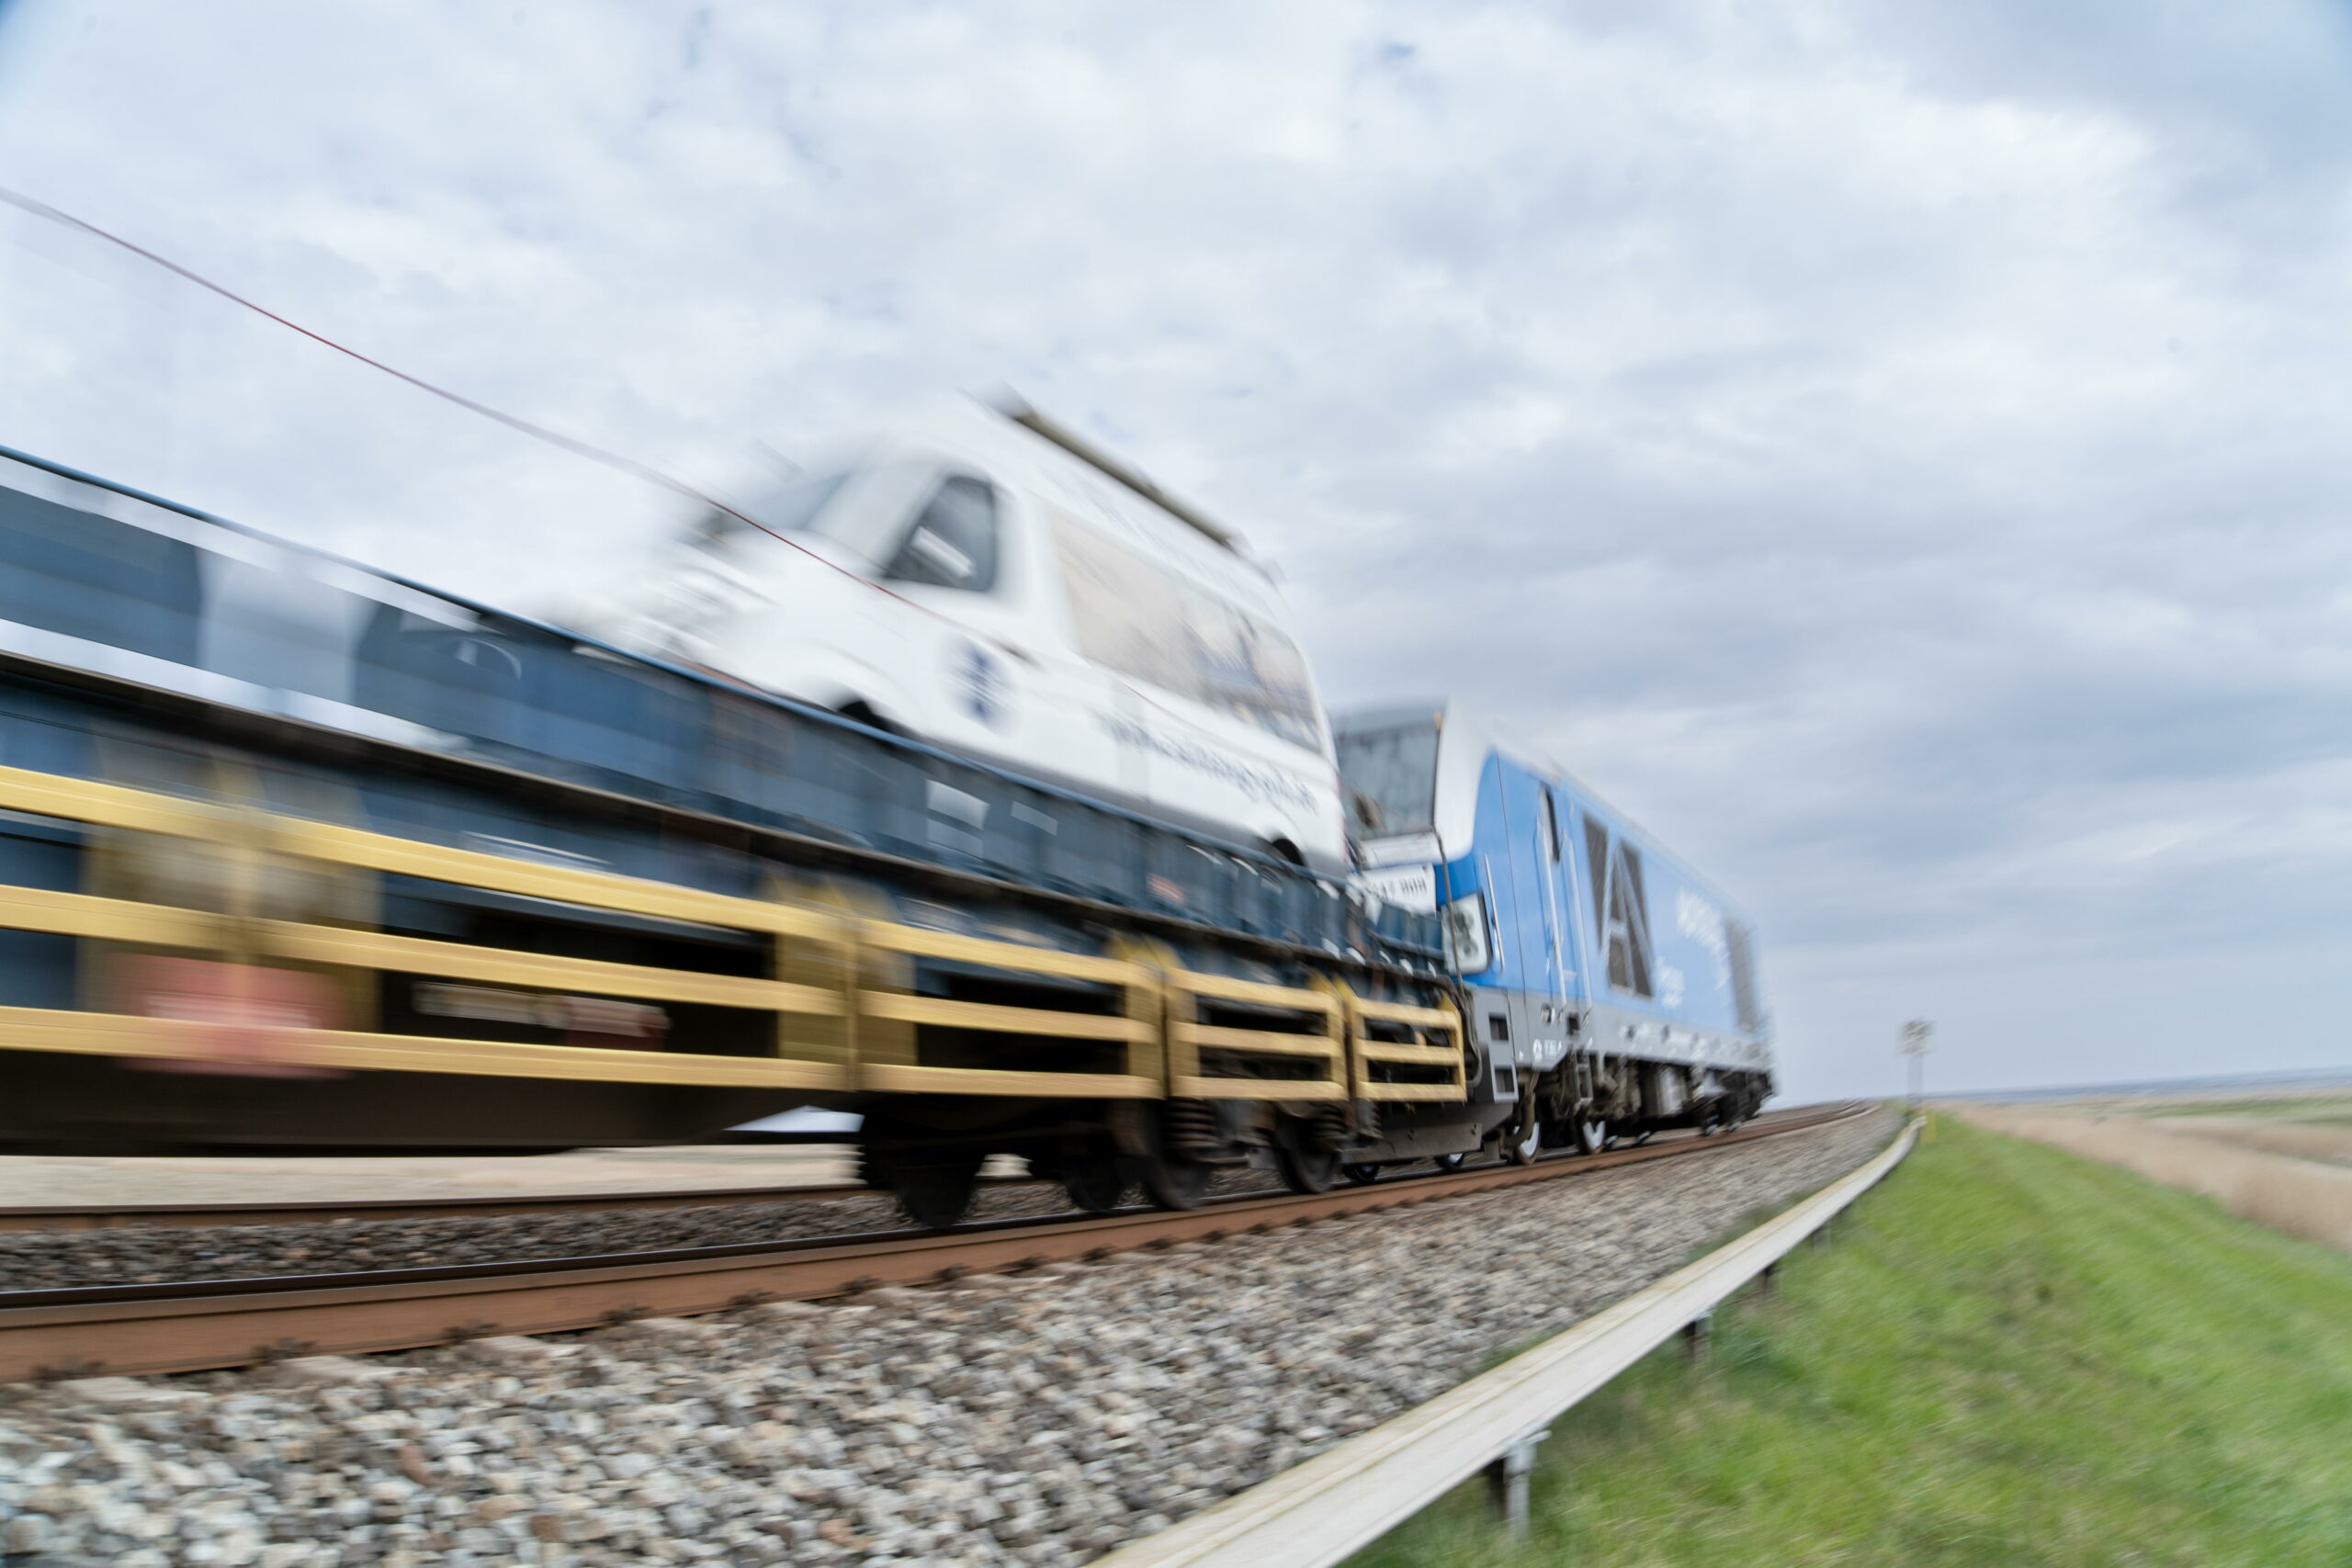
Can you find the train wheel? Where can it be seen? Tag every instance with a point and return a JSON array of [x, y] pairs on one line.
[[937, 1194], [1448, 1164], [1305, 1149], [1174, 1182], [1524, 1140], [1592, 1134], [932, 1181], [1308, 1170], [1361, 1175], [1171, 1177], [1095, 1185]]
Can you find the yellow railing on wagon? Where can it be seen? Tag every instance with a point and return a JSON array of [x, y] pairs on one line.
[[1432, 1058], [843, 1014], [242, 831]]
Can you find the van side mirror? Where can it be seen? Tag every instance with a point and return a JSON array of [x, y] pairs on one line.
[[943, 558]]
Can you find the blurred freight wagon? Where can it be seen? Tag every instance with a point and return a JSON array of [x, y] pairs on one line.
[[298, 855]]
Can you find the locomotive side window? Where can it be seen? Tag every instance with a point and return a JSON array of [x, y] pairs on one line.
[[953, 541], [1743, 976], [1596, 858]]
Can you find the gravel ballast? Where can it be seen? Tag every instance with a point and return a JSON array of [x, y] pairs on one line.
[[1041, 1419]]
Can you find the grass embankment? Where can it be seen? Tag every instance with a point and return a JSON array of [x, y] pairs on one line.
[[2007, 1355]]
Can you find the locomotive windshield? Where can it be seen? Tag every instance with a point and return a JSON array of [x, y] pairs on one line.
[[1391, 776]]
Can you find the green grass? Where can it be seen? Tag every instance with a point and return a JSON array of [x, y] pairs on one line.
[[2007, 1355]]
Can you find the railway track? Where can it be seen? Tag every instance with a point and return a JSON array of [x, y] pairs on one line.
[[59, 1217], [200, 1324]]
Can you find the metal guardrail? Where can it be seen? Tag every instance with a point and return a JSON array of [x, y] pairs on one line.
[[1349, 1496]]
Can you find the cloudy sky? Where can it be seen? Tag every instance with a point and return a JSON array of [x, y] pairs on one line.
[[1898, 451]]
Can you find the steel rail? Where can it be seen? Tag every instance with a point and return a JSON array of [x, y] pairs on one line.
[[199, 1324], [76, 1217], [1343, 1499]]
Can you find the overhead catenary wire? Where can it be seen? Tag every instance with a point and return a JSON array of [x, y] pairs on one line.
[[618, 462]]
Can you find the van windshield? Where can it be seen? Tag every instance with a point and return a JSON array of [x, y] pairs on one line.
[[1391, 776], [793, 509]]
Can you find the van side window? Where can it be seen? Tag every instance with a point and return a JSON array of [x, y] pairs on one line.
[[1135, 617], [953, 541]]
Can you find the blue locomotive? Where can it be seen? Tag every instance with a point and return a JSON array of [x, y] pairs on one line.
[[1610, 991]]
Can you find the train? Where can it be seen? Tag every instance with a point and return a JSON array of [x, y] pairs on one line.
[[1595, 1018], [296, 855]]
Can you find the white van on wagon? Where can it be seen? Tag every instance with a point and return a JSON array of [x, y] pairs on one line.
[[997, 587]]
